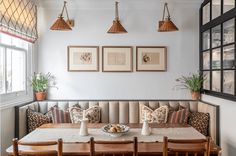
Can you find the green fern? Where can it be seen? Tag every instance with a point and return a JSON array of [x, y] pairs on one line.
[[192, 82]]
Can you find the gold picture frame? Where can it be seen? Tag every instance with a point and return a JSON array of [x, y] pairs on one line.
[[117, 58], [83, 58], [151, 58]]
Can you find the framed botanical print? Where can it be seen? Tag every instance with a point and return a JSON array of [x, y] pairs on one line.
[[83, 58], [117, 59], [151, 58]]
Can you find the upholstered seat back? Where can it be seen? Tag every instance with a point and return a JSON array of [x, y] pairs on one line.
[[112, 111]]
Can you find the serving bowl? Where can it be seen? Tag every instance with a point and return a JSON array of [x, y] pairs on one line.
[[115, 130]]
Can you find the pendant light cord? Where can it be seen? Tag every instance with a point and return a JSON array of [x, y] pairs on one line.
[[65, 8], [165, 8], [116, 12]]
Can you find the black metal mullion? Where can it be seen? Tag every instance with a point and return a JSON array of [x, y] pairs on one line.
[[200, 46], [222, 7], [221, 59], [234, 57], [210, 51], [205, 3], [218, 20]]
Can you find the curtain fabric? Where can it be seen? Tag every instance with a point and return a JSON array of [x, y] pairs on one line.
[[19, 18]]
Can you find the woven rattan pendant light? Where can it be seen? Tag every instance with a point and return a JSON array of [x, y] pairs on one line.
[[116, 27], [60, 23], [166, 24]]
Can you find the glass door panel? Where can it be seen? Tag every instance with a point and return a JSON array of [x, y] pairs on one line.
[[217, 51], [206, 60], [216, 8], [206, 82], [216, 59], [206, 14], [228, 5], [206, 40], [228, 29], [216, 36], [216, 77], [228, 82], [228, 57]]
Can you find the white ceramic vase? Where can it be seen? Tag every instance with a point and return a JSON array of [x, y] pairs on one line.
[[146, 129], [83, 127]]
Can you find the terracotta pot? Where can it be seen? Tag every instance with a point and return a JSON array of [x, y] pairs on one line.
[[40, 96], [195, 95]]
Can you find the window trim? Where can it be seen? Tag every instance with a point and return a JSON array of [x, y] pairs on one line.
[[14, 98]]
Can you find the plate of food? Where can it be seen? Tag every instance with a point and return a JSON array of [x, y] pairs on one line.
[[115, 130]]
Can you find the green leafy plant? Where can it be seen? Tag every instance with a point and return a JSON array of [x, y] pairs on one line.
[[192, 82], [41, 82]]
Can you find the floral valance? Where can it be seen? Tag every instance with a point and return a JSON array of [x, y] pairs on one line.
[[19, 18]]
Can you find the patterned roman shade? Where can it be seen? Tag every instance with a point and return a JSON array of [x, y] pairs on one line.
[[19, 18]]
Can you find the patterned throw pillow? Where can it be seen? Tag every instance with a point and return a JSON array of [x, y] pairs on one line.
[[35, 119], [154, 116], [200, 121], [59, 116], [92, 113], [178, 117]]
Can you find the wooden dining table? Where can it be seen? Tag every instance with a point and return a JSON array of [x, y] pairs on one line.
[[83, 148]]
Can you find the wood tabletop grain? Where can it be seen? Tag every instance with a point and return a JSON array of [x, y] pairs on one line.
[[144, 148]]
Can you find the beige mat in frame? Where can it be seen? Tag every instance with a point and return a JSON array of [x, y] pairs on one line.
[[151, 58]]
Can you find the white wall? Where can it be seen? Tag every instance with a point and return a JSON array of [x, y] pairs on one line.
[[139, 17], [7, 125], [227, 123]]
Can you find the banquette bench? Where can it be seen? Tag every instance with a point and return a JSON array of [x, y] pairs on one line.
[[118, 111]]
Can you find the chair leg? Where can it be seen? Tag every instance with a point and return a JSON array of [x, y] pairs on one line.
[[60, 147], [92, 150], [15, 146], [165, 145]]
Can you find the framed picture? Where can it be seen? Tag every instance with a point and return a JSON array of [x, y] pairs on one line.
[[117, 59], [151, 58], [83, 58]]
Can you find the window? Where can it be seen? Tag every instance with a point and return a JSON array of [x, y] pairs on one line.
[[13, 65]]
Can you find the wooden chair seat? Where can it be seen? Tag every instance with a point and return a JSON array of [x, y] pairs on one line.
[[185, 147], [43, 148], [130, 147]]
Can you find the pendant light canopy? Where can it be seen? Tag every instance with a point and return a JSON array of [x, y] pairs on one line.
[[166, 24], [60, 23], [116, 27]]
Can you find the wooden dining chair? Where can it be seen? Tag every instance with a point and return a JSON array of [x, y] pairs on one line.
[[115, 147], [194, 147], [37, 148]]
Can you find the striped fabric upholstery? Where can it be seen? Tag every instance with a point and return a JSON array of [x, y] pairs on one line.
[[179, 117], [118, 111], [60, 116]]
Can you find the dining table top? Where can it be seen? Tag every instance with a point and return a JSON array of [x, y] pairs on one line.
[[71, 147]]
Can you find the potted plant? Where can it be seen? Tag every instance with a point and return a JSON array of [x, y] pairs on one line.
[[40, 83], [192, 82]]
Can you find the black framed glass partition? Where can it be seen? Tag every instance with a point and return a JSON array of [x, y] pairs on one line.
[[217, 48]]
